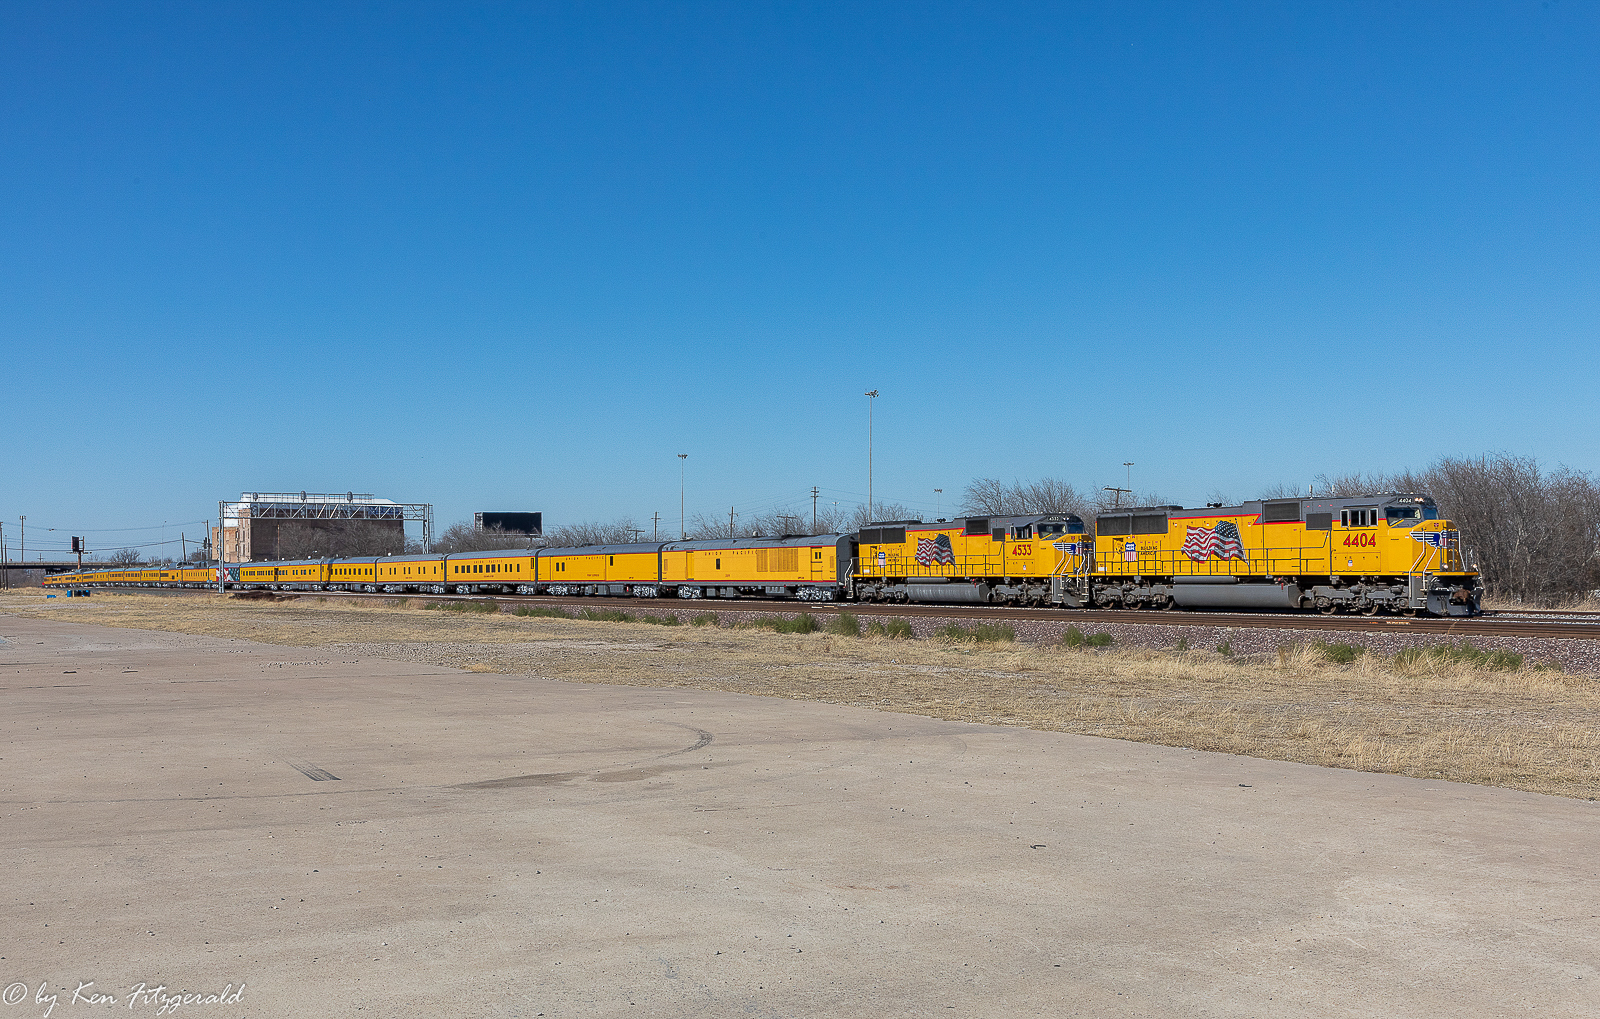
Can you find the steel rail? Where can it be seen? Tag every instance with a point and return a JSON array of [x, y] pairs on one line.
[[1455, 626]]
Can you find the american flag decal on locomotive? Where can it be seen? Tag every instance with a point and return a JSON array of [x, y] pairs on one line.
[[1069, 547], [935, 550], [1437, 539], [1221, 541]]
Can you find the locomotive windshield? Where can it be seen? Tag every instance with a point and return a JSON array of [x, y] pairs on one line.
[[1408, 516], [1051, 530]]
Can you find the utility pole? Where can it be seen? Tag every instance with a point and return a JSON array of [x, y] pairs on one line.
[[1118, 497], [731, 515], [683, 459], [872, 396], [938, 502], [655, 526], [814, 494], [183, 548], [3, 569], [23, 558], [222, 551]]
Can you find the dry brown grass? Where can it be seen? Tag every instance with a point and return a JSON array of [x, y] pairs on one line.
[[1585, 604], [1532, 730]]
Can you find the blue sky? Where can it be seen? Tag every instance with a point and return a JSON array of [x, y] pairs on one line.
[[520, 256]]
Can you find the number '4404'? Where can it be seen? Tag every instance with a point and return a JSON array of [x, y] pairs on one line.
[[1362, 539]]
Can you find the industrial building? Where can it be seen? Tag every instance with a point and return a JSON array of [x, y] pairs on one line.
[[264, 526]]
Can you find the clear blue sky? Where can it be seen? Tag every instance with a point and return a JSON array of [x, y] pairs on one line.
[[519, 256]]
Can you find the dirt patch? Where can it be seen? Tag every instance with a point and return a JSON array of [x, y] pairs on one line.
[[1537, 730]]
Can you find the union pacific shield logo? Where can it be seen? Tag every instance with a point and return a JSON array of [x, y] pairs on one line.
[[1221, 541], [1436, 539]]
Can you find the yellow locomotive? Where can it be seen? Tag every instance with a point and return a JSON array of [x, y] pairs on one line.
[[1368, 554], [1016, 560]]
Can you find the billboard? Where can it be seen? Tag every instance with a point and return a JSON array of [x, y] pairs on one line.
[[511, 523]]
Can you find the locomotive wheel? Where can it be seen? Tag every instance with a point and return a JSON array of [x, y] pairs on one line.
[[1371, 609], [1328, 609]]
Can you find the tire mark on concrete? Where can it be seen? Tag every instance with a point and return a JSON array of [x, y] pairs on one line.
[[313, 772], [699, 744]]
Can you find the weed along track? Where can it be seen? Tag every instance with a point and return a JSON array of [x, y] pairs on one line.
[[1495, 711]]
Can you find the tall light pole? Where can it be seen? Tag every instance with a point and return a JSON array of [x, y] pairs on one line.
[[872, 394], [683, 467], [938, 502], [1129, 482]]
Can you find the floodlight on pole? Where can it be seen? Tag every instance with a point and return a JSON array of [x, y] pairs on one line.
[[683, 461]]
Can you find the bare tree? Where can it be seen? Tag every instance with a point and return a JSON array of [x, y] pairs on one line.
[[616, 532], [993, 497], [1535, 534], [1282, 490], [989, 497], [125, 557], [463, 537], [348, 540], [779, 522]]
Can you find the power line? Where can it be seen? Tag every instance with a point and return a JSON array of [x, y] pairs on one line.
[[119, 530]]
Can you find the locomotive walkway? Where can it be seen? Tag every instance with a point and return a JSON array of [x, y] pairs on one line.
[[344, 834]]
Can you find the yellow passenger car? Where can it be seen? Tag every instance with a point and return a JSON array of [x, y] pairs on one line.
[[1366, 554], [352, 574], [289, 575], [1039, 559], [406, 573], [487, 572], [808, 567], [197, 576]]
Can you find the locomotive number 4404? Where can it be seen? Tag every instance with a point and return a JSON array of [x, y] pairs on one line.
[[1363, 539]]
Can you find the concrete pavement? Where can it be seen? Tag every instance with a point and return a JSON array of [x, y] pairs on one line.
[[365, 837]]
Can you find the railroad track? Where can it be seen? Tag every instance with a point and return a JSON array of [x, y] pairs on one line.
[[1498, 624]]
